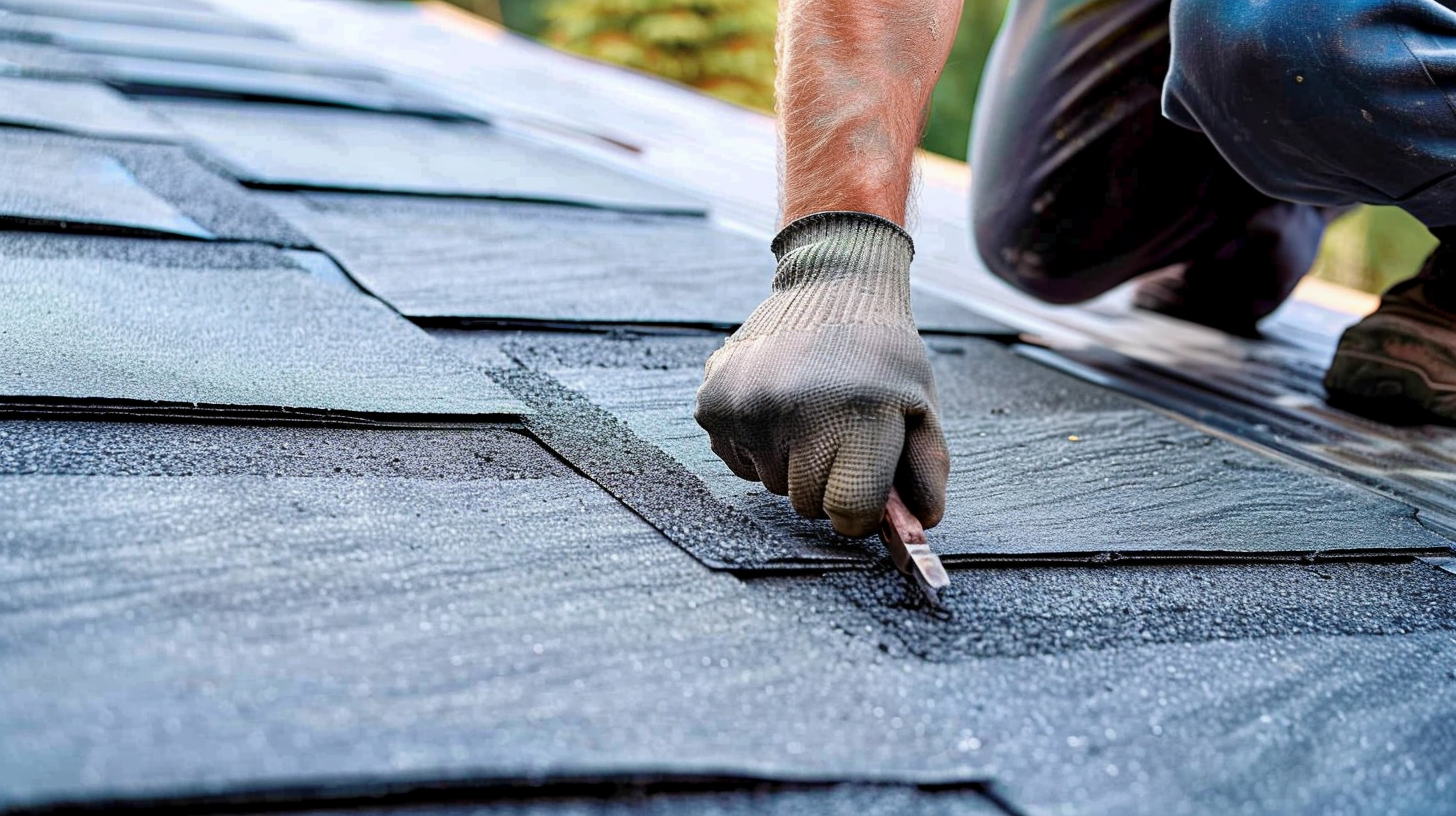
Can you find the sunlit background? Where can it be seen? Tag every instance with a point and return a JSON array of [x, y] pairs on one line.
[[725, 48]]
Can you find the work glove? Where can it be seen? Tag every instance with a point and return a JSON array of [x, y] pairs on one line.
[[825, 394]]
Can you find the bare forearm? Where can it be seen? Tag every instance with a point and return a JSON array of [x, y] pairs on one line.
[[855, 78]]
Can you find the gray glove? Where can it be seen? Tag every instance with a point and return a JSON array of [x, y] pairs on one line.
[[825, 394]]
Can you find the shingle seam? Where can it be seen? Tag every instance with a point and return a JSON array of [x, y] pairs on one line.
[[372, 793], [313, 187], [116, 410], [677, 328], [644, 478], [48, 226], [1201, 557], [128, 138]]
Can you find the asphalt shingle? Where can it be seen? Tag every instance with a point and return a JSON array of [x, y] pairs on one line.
[[100, 193], [253, 632], [171, 77], [114, 39], [128, 185], [1043, 466], [186, 338], [378, 596], [82, 108], [173, 15], [442, 261], [370, 152]]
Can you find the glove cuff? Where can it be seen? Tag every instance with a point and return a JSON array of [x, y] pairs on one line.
[[858, 228], [837, 268]]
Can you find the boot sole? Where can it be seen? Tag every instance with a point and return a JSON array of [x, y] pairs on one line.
[[1387, 391], [1385, 388]]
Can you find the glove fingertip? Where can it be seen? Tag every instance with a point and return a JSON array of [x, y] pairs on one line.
[[855, 524], [734, 457], [924, 471]]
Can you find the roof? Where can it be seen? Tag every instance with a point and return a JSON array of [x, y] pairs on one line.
[[347, 355]]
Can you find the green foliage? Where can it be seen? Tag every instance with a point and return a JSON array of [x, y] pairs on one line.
[[1372, 248], [949, 126], [724, 47]]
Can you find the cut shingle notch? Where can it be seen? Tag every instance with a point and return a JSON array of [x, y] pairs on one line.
[[1045, 469]]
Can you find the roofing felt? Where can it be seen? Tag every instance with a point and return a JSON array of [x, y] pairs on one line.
[[441, 261], [181, 78], [186, 46], [128, 186], [353, 150], [294, 627], [1042, 465], [83, 108], [157, 15], [183, 336]]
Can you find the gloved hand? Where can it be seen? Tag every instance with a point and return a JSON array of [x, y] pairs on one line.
[[825, 394]]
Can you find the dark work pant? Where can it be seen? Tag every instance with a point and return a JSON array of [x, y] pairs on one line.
[[1286, 111]]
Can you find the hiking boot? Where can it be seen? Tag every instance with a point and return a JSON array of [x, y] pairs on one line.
[[1247, 278], [1399, 364]]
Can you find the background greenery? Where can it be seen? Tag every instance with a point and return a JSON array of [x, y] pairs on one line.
[[725, 47]]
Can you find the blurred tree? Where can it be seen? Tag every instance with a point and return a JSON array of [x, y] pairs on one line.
[[1372, 248], [489, 9], [949, 126], [525, 16], [723, 47]]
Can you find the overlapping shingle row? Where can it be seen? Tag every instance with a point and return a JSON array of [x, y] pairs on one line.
[[383, 482]]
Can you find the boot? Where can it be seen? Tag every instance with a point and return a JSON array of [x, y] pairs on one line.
[[1399, 364]]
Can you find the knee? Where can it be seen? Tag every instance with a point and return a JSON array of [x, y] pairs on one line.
[[1252, 63], [1291, 92], [1011, 253]]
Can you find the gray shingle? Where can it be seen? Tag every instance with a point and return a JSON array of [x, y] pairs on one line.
[[441, 261], [82, 108], [100, 192], [169, 77], [185, 188], [158, 15], [1043, 466], [245, 633], [179, 338], [349, 150], [122, 40]]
